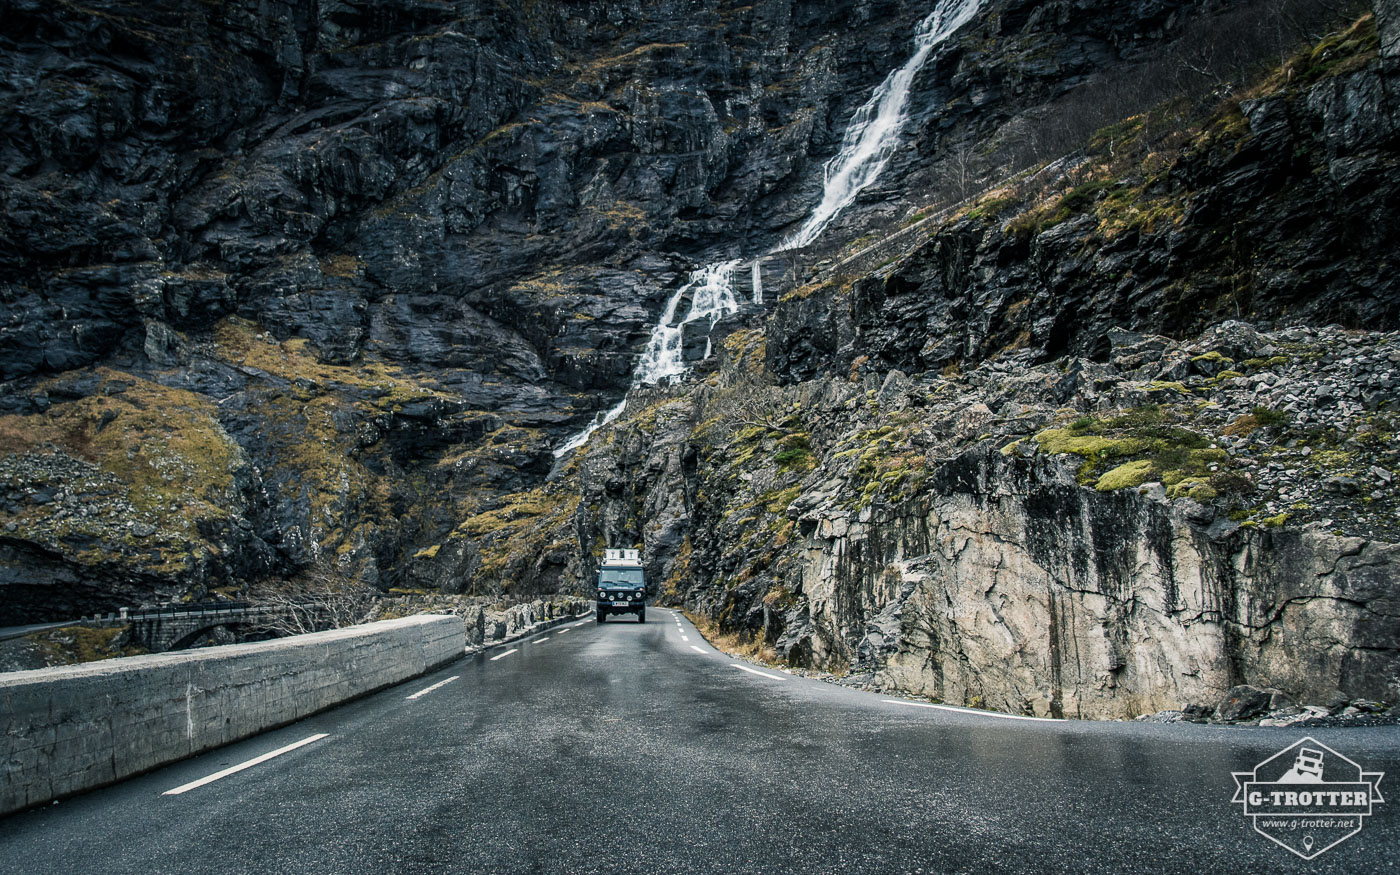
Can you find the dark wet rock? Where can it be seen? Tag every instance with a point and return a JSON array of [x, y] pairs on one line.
[[1388, 20], [1315, 159], [1242, 703]]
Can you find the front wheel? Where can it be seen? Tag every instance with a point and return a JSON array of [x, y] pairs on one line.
[[642, 615], [602, 617]]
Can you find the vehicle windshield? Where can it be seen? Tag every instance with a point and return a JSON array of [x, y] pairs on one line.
[[620, 577]]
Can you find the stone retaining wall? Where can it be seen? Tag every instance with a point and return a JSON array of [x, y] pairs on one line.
[[74, 728]]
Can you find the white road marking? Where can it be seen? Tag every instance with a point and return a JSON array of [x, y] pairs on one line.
[[576, 625], [426, 690], [762, 674], [697, 649], [504, 655], [685, 637], [561, 631], [540, 639], [185, 788], [972, 711]]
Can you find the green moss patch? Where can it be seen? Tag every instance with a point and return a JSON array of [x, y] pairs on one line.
[[1061, 441], [1126, 475], [1132, 448]]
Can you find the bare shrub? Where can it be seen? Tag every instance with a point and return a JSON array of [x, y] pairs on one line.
[[320, 599]]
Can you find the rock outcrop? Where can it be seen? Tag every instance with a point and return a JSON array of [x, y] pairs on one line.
[[1067, 539], [1016, 591], [1275, 208]]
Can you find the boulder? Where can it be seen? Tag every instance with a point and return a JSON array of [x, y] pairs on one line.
[[1242, 703]]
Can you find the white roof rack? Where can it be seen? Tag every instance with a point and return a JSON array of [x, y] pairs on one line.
[[622, 557]]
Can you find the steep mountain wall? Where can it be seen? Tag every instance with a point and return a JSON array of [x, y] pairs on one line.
[[299, 284], [323, 285], [291, 284], [1279, 208]]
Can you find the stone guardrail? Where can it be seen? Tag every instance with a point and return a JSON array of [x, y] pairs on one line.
[[74, 728]]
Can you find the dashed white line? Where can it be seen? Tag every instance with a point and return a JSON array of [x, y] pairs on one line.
[[576, 625], [762, 674], [504, 655], [561, 632], [685, 637], [972, 711], [209, 779], [697, 649], [540, 639], [426, 690]]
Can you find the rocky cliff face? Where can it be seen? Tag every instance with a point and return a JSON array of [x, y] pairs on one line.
[[1278, 208], [1073, 538], [293, 285], [918, 482], [364, 263]]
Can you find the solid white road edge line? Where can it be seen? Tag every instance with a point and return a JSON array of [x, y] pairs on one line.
[[762, 674], [426, 690], [504, 655], [697, 649], [972, 711], [185, 788]]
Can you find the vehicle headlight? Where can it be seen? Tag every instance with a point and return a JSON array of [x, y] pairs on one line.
[[602, 595]]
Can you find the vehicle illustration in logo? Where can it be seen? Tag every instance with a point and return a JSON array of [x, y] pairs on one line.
[[1307, 797]]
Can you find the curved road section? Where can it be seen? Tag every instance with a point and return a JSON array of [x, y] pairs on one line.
[[639, 748]]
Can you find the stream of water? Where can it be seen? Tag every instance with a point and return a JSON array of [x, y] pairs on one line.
[[869, 141], [874, 131]]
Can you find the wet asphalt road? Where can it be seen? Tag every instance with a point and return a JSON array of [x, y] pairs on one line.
[[624, 748]]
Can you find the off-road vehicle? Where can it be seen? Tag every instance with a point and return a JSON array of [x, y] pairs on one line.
[[622, 587]]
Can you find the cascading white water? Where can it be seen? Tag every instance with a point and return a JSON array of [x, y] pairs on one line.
[[598, 422], [869, 142], [710, 291], [874, 130], [756, 280]]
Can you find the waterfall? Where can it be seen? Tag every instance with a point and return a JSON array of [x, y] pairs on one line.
[[756, 279], [869, 141], [598, 422], [874, 130], [710, 291]]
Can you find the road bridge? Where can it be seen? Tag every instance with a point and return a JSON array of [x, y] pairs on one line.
[[175, 627]]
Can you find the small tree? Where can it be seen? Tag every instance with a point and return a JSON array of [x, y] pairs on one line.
[[961, 171], [322, 598]]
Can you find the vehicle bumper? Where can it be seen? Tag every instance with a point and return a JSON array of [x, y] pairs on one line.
[[610, 608]]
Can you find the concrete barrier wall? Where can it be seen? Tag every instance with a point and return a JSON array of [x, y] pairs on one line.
[[73, 728]]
